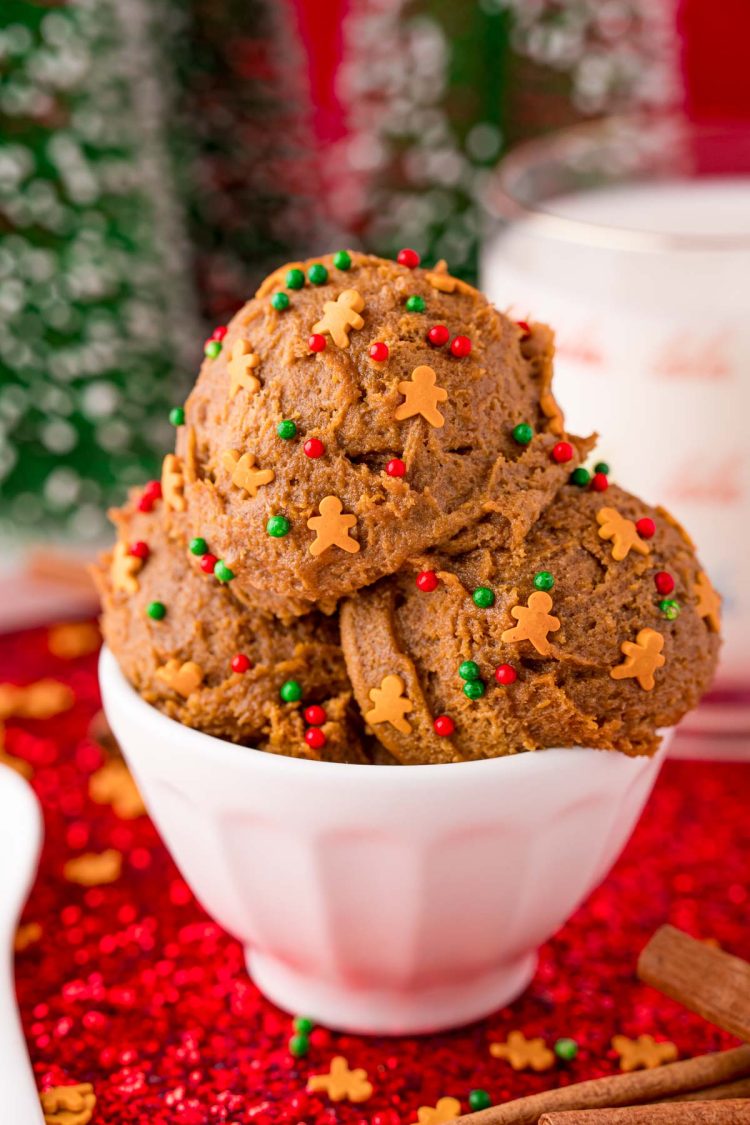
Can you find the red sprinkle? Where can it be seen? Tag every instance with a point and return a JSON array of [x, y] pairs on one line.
[[506, 674], [427, 581], [525, 328], [219, 333], [151, 493], [315, 715], [599, 482], [562, 452], [208, 562], [240, 662], [316, 342], [408, 258], [315, 738], [139, 550], [379, 351], [438, 335], [664, 582], [645, 527], [460, 346], [444, 726], [314, 448], [396, 468]]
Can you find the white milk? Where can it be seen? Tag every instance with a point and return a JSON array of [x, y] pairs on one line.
[[654, 354]]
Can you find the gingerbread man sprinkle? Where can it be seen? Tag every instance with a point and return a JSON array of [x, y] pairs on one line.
[[709, 602], [623, 533], [523, 1053], [73, 639], [341, 1083], [446, 1109], [243, 361], [182, 678], [391, 705], [41, 700], [332, 528], [123, 570], [643, 1053], [534, 623], [643, 657], [94, 868], [340, 317], [440, 279], [68, 1105], [26, 935], [244, 472], [421, 396], [173, 483]]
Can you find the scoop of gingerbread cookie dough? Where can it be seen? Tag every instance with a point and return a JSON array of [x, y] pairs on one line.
[[201, 657], [597, 631], [358, 411]]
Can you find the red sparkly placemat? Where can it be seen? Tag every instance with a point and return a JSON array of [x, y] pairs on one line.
[[130, 986]]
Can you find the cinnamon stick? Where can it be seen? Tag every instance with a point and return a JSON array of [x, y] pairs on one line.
[[635, 1088], [677, 1113], [724, 1091], [709, 981]]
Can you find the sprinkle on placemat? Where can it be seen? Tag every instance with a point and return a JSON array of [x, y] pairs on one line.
[[113, 785], [244, 472], [341, 316], [709, 602], [341, 1083], [26, 935], [623, 533], [41, 700], [92, 869], [173, 483], [332, 528], [391, 705], [642, 658], [445, 1109], [534, 623], [523, 1053], [123, 569], [20, 766], [184, 678], [72, 639], [421, 396], [68, 1105], [643, 1053], [242, 363]]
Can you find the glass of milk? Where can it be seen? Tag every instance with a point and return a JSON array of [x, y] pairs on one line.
[[632, 239]]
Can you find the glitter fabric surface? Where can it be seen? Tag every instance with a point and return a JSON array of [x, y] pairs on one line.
[[125, 983]]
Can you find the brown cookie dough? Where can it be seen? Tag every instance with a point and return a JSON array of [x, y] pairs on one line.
[[182, 663], [344, 521], [597, 658]]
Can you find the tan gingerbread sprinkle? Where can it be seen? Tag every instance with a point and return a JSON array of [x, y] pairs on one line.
[[440, 279], [523, 1053], [642, 658], [341, 1083], [123, 570], [73, 639], [94, 868], [182, 678], [391, 705], [68, 1105], [534, 623], [242, 363], [643, 1053], [244, 472], [26, 935], [173, 483], [41, 700], [446, 1109], [113, 785], [421, 395], [709, 602], [623, 533], [341, 316], [332, 528]]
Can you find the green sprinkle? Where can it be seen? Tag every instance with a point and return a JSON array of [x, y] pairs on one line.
[[222, 572], [299, 1045], [318, 274], [566, 1049], [291, 691], [278, 526], [212, 348], [469, 670], [301, 1023], [474, 689], [670, 608], [280, 301], [483, 597], [601, 467], [523, 433], [177, 416], [544, 580], [342, 260], [287, 429], [580, 477], [156, 610], [295, 279], [198, 546], [415, 304], [479, 1099]]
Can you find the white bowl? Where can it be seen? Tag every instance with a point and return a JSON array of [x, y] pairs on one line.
[[381, 899]]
